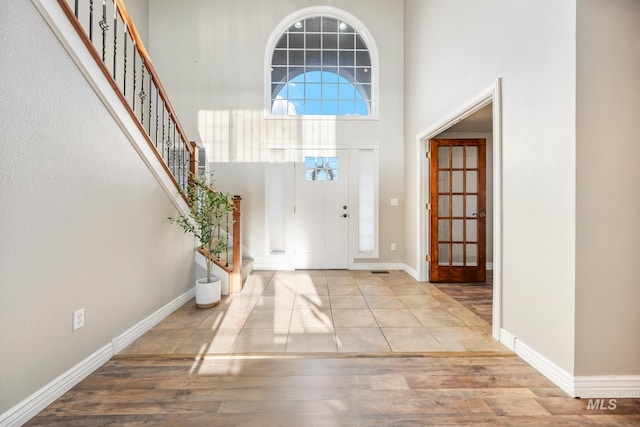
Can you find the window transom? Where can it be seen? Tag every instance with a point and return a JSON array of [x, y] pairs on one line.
[[321, 65]]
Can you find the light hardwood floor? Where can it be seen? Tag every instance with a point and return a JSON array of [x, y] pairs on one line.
[[323, 348]]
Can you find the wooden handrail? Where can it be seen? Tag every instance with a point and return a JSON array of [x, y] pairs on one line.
[[142, 50]]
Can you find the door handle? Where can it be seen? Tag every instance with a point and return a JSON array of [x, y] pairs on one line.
[[479, 214]]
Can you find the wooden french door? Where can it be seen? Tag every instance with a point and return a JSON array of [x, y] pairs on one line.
[[457, 181]]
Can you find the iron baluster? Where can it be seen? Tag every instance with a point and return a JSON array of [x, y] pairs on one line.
[[182, 155], [218, 237], [104, 26], [156, 139], [115, 38], [182, 173], [124, 85], [179, 176], [142, 95], [75, 9], [150, 99], [169, 144], [186, 184], [173, 151], [163, 121], [134, 76], [91, 20]]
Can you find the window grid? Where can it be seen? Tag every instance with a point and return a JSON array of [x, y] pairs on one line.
[[321, 168], [322, 47]]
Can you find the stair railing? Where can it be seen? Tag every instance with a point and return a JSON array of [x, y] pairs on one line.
[[112, 39], [108, 32], [231, 262]]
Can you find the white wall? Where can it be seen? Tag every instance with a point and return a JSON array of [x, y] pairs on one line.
[[608, 196], [139, 12], [454, 50], [83, 221], [219, 66]]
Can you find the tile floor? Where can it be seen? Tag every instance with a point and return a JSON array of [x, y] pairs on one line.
[[322, 311]]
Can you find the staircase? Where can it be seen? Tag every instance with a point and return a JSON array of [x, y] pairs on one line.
[[113, 53]]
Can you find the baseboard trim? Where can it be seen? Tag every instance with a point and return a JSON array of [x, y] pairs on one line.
[[272, 267], [596, 386], [546, 367], [412, 272], [31, 406], [377, 266], [136, 331], [607, 386], [355, 266], [507, 339]]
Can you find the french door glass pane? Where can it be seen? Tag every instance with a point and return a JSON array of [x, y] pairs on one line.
[[458, 181], [457, 157], [472, 157], [457, 226], [443, 157], [443, 230], [472, 230], [443, 181], [443, 254], [458, 208], [472, 181], [472, 206], [457, 251], [443, 205]]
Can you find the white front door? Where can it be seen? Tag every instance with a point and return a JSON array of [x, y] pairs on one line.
[[322, 211]]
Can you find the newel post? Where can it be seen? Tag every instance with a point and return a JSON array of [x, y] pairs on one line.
[[193, 160], [235, 284]]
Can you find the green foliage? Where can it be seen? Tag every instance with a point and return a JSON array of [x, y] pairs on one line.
[[208, 212]]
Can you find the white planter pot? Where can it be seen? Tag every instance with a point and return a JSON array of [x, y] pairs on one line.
[[208, 294]]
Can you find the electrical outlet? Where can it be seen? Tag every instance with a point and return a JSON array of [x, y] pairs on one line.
[[78, 319], [393, 246]]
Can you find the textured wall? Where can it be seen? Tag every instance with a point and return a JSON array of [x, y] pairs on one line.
[[83, 221], [608, 200], [455, 50]]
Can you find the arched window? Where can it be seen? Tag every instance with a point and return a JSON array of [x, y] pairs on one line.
[[321, 65]]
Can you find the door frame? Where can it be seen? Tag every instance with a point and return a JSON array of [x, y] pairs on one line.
[[490, 95], [287, 154]]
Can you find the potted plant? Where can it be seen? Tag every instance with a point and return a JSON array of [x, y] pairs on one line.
[[208, 211]]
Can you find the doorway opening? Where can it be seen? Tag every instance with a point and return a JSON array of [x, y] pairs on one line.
[[480, 117]]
